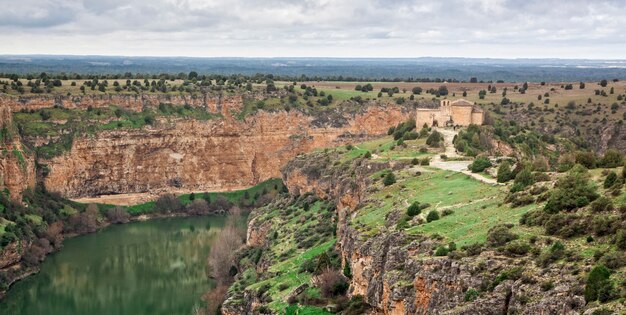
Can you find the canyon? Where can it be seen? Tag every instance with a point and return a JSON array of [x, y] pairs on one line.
[[186, 154]]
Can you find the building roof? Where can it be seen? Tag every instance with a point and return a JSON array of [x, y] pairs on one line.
[[461, 102]]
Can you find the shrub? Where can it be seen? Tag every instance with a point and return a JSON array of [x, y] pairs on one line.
[[597, 282], [432, 216], [571, 192], [504, 172], [620, 239], [517, 247], [389, 179], [434, 139], [471, 295], [441, 251], [500, 235], [425, 161], [612, 158], [586, 159], [117, 215], [522, 180], [614, 260], [415, 161], [480, 164], [602, 204], [414, 209], [331, 283], [168, 203], [610, 180]]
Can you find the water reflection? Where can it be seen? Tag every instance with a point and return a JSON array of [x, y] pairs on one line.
[[154, 267]]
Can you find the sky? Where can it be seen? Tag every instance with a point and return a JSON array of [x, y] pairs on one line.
[[316, 28]]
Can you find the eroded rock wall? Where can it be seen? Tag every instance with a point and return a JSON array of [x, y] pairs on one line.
[[135, 102], [397, 273], [208, 155], [17, 164]]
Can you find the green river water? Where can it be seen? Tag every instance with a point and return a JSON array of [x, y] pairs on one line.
[[152, 267]]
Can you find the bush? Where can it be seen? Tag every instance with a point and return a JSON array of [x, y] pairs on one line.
[[597, 283], [117, 215], [434, 139], [571, 192], [602, 204], [480, 164], [517, 247], [500, 235], [522, 180], [612, 158], [471, 295], [432, 216], [168, 203], [331, 283], [414, 209], [586, 159], [620, 239], [610, 180], [441, 251], [614, 260], [389, 179], [425, 161], [504, 172]]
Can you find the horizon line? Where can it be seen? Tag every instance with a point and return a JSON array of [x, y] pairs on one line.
[[305, 57]]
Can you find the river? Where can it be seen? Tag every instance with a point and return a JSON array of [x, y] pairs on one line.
[[152, 267]]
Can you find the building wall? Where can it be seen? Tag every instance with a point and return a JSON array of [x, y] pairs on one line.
[[462, 115], [425, 116], [478, 118]]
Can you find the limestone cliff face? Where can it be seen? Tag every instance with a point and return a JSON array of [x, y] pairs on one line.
[[397, 273], [204, 155], [134, 102], [17, 165]]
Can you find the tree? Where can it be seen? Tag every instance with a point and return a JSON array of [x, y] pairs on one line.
[[582, 85], [192, 75], [417, 90], [603, 83], [198, 206], [597, 281], [117, 215], [504, 172], [571, 192], [612, 158], [221, 259], [610, 180], [168, 203], [480, 164], [414, 209], [389, 179], [442, 90], [432, 216], [434, 139]]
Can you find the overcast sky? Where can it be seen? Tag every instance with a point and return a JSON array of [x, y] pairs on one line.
[[316, 28]]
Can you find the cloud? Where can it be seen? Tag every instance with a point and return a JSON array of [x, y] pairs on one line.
[[367, 28]]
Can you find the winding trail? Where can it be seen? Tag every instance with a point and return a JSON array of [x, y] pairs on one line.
[[456, 166]]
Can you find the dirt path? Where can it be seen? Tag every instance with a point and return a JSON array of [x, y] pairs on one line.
[[456, 166]]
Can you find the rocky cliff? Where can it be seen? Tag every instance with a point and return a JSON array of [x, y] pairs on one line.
[[397, 273], [17, 164], [134, 102], [208, 155]]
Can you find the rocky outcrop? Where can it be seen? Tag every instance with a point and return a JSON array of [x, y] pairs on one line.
[[398, 273], [17, 164], [208, 155], [135, 102]]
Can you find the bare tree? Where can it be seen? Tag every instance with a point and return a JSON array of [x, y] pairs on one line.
[[117, 215], [222, 256]]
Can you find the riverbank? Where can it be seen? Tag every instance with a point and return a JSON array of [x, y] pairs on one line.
[[14, 268]]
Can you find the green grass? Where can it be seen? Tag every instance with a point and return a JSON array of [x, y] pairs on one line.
[[305, 310], [237, 196]]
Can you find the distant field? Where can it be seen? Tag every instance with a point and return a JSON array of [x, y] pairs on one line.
[[345, 90]]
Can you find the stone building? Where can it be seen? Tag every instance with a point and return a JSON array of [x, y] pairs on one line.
[[450, 113]]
